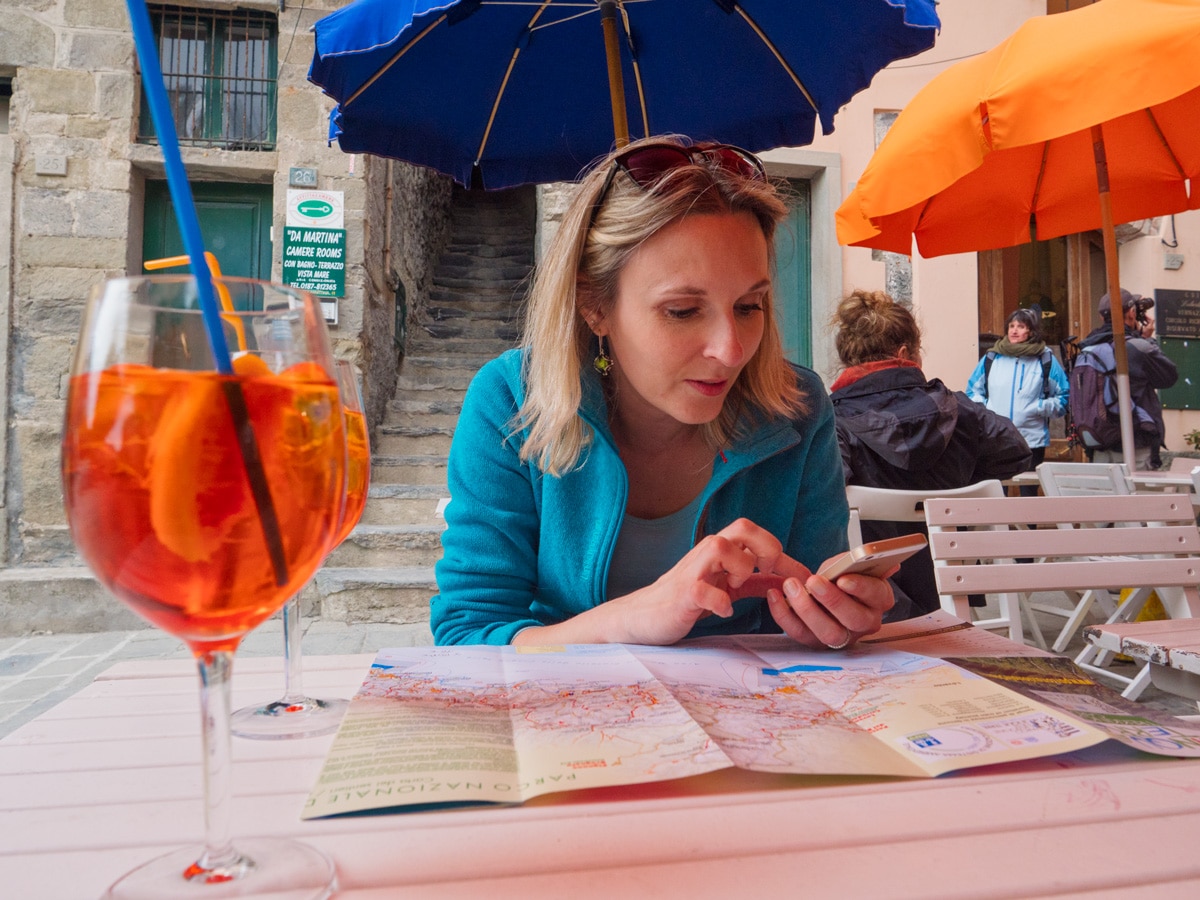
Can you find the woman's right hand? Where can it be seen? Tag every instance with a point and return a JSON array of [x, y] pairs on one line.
[[705, 582]]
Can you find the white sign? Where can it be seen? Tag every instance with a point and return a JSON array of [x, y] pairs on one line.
[[316, 209]]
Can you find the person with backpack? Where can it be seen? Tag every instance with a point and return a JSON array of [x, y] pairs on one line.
[[1022, 380], [1094, 410]]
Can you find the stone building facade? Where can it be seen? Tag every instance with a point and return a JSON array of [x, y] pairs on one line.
[[75, 186]]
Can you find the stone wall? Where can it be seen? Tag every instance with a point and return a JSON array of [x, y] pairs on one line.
[[72, 182]]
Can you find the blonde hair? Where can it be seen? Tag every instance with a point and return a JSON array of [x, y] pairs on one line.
[[580, 272], [872, 326]]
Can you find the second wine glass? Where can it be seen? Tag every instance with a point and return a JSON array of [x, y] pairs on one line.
[[295, 714]]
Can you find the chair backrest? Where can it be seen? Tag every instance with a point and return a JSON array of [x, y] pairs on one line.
[[894, 505], [1126, 553], [1071, 479]]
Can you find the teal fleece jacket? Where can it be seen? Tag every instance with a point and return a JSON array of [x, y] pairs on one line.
[[522, 548]]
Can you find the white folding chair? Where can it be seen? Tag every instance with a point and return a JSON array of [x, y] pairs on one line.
[[895, 505], [1071, 479], [1149, 542]]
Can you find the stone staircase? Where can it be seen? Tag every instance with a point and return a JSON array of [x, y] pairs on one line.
[[384, 571]]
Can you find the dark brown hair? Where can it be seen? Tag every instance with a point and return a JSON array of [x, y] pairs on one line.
[[872, 326]]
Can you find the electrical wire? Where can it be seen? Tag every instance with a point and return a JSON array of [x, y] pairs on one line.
[[295, 25], [1174, 242]]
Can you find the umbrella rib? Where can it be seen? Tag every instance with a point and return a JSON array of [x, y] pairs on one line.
[[1037, 191], [395, 59], [1166, 144], [779, 56], [637, 71], [512, 64]]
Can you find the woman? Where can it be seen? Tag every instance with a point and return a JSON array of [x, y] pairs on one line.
[[1020, 379], [647, 467], [898, 430]]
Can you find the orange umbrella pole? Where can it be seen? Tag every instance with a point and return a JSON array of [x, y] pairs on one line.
[[616, 83], [1117, 310]]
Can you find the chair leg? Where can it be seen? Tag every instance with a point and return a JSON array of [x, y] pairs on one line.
[[1024, 604], [1074, 620], [1137, 684]]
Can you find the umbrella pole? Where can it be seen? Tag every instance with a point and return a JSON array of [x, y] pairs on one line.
[[1117, 310], [616, 83]]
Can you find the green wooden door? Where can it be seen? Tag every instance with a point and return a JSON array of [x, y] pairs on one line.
[[235, 224], [793, 284]]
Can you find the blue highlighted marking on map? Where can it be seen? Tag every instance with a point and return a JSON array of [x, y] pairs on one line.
[[801, 668]]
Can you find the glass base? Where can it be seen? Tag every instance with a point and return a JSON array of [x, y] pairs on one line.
[[300, 718], [285, 869]]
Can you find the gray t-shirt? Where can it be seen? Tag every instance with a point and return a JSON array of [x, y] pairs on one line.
[[646, 548]]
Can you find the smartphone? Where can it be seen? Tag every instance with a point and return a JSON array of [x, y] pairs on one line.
[[874, 558]]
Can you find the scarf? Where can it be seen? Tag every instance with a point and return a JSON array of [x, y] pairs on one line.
[[854, 373], [1028, 348]]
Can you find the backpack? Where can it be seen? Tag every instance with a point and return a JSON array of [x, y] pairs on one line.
[[1046, 357], [1093, 400]]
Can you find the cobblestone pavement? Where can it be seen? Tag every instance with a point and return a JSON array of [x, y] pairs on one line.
[[39, 671]]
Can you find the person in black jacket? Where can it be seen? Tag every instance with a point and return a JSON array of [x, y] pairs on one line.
[[898, 430], [1150, 370]]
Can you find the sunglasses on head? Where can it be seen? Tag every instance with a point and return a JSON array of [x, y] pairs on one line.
[[648, 163]]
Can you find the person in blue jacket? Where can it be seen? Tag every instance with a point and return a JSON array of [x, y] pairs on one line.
[[1022, 380], [647, 466]]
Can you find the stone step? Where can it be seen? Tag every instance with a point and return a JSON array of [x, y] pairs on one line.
[[429, 469], [474, 329], [50, 545], [470, 362], [389, 545], [401, 417], [455, 306], [396, 504], [427, 403], [448, 379], [396, 414], [479, 261], [387, 443], [66, 599], [363, 594], [423, 343]]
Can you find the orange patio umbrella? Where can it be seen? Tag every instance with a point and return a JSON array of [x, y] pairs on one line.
[[1076, 121]]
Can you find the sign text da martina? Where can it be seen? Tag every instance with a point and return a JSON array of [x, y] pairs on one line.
[[314, 259]]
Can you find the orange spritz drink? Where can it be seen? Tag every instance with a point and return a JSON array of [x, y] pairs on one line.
[[297, 714], [358, 456], [203, 488], [159, 500]]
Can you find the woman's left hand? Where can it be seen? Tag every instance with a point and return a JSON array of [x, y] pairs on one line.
[[815, 612]]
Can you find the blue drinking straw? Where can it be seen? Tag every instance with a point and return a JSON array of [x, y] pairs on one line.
[[181, 192], [189, 227]]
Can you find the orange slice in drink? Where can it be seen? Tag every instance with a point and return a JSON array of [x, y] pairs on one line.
[[197, 492], [250, 366], [307, 371]]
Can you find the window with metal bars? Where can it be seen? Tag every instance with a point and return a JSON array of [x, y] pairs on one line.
[[219, 68]]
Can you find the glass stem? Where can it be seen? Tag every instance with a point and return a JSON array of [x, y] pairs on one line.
[[219, 852], [293, 689]]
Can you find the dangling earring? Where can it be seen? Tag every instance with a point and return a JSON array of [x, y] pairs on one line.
[[602, 363]]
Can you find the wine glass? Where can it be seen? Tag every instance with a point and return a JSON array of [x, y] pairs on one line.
[[203, 501], [296, 715]]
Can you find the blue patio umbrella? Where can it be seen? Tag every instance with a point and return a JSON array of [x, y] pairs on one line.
[[500, 93]]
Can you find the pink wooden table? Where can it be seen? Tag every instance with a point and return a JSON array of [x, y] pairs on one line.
[[111, 777]]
